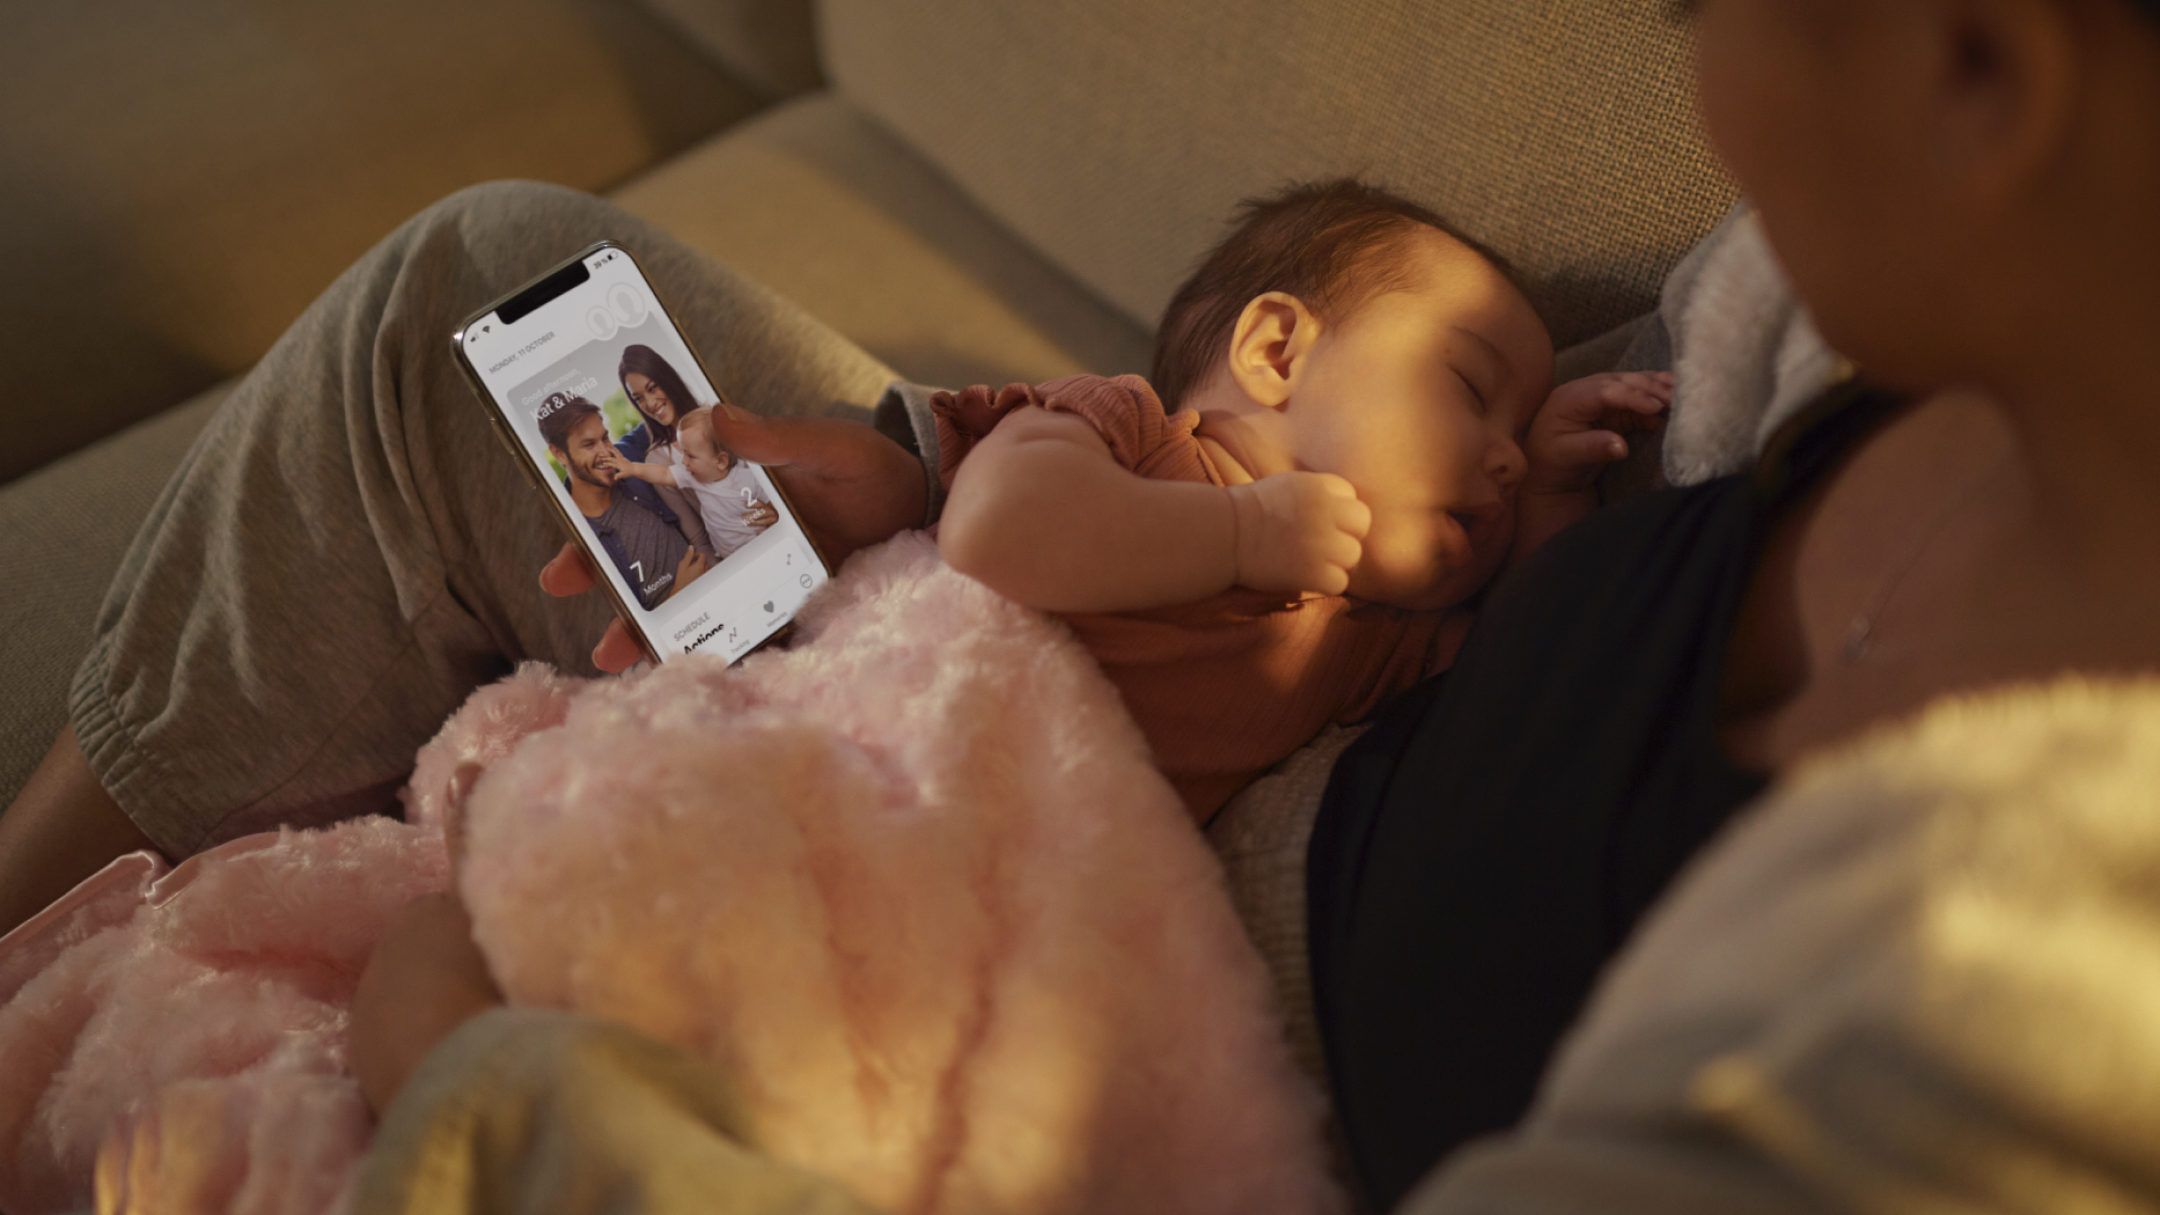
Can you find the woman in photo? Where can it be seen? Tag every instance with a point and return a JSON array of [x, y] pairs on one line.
[[661, 397], [650, 449], [675, 451]]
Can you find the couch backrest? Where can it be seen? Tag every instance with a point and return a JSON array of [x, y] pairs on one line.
[[1116, 135]]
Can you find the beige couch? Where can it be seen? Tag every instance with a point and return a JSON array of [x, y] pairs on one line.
[[974, 190]]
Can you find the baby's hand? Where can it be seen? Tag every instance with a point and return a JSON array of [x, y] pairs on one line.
[[612, 457], [1577, 432], [1298, 531]]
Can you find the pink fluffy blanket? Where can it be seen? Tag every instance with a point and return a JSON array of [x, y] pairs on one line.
[[912, 883]]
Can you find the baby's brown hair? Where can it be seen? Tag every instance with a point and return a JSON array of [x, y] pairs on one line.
[[1332, 244]]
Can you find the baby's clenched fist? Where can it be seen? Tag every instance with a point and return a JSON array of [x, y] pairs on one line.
[[1298, 532]]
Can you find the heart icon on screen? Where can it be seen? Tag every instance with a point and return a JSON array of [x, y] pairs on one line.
[[768, 605]]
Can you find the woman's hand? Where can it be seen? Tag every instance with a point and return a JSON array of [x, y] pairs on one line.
[[425, 978], [1298, 532], [760, 515], [852, 486], [571, 573]]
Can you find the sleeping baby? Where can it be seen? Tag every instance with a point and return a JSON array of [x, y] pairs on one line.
[[1347, 433]]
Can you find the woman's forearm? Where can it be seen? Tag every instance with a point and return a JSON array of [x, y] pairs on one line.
[[60, 829]]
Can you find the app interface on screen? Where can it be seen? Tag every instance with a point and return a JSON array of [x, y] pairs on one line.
[[604, 397]]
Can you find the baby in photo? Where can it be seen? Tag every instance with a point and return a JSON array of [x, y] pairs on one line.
[[730, 501]]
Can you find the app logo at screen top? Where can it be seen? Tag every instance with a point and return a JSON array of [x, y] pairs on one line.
[[601, 322], [629, 309]]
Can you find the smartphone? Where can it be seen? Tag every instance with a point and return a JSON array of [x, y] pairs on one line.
[[596, 393]]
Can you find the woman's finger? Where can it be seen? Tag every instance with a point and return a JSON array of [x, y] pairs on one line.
[[617, 651], [774, 442], [568, 573]]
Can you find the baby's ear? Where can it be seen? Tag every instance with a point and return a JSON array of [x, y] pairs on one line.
[[1269, 344]]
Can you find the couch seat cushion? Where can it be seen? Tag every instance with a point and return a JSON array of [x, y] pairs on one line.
[[63, 530]]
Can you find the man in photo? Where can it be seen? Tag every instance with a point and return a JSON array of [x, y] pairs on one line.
[[637, 532]]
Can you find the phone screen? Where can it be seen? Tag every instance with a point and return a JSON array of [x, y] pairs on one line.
[[596, 390]]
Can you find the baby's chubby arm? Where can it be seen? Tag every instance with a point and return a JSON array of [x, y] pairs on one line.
[[1042, 513], [1574, 436], [655, 474]]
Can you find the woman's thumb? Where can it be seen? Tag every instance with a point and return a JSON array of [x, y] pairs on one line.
[[749, 436]]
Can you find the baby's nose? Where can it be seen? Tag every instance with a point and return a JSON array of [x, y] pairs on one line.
[[1506, 464]]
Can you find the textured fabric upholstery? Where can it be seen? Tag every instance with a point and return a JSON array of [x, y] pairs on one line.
[[179, 180], [831, 211], [63, 531], [770, 45], [1115, 135]]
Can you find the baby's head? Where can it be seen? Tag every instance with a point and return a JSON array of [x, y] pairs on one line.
[[1341, 329], [702, 453]]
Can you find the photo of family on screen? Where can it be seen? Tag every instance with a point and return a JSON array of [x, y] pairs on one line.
[[637, 452]]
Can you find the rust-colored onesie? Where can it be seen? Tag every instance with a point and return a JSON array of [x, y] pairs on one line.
[[1225, 687]]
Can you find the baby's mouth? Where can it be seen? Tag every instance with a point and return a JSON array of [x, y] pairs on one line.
[[1473, 518], [1478, 520]]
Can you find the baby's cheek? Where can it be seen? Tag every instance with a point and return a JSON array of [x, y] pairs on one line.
[[1410, 564], [1395, 549]]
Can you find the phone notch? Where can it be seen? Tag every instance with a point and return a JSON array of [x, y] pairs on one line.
[[545, 292]]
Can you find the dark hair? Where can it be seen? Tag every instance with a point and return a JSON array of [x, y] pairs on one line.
[[1332, 244], [560, 414], [647, 362]]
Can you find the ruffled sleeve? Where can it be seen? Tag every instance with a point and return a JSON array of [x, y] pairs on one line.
[[1125, 411]]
